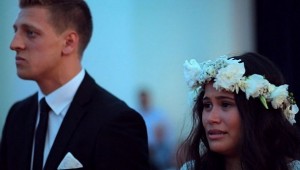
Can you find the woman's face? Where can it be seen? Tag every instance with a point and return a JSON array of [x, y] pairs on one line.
[[221, 121]]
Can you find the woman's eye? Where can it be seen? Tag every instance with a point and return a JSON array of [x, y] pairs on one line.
[[207, 105], [226, 105]]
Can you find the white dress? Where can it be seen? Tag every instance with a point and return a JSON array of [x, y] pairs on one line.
[[294, 165]]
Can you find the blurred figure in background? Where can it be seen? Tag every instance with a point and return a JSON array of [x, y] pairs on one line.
[[160, 137]]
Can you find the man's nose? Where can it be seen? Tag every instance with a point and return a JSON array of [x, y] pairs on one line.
[[17, 43]]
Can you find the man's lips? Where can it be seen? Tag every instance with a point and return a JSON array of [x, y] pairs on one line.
[[19, 60]]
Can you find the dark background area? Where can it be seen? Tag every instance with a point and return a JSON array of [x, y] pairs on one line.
[[278, 38]]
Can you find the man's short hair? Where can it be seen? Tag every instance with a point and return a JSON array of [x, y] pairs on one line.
[[66, 14]]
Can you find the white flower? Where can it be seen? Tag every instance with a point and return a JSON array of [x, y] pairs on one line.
[[271, 88], [294, 109], [207, 72], [255, 85], [279, 95], [228, 74], [221, 62], [290, 113], [191, 72], [233, 61], [229, 77]]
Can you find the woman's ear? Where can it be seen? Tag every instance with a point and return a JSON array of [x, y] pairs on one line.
[[71, 42]]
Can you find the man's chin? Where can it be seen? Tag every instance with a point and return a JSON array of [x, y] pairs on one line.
[[24, 76]]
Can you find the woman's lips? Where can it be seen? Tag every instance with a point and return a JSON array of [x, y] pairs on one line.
[[215, 134]]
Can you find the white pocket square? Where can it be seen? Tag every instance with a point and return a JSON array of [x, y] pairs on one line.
[[69, 162]]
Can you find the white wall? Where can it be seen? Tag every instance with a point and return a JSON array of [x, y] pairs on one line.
[[140, 43]]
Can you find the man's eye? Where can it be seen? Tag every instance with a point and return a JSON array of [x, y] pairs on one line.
[[30, 34]]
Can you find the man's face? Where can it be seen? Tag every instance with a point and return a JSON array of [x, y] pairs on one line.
[[38, 47]]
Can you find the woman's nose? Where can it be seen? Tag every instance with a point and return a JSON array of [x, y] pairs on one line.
[[214, 115]]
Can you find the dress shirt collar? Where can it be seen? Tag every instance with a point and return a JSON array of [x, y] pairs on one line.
[[63, 96]]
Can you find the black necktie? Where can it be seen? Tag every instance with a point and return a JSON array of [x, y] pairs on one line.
[[40, 136]]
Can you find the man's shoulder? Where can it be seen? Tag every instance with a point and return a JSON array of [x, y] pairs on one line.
[[22, 109], [101, 101], [90, 88], [26, 102], [100, 97]]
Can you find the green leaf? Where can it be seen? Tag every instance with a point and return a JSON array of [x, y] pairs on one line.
[[264, 101]]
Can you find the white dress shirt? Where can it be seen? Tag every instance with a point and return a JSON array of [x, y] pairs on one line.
[[59, 102]]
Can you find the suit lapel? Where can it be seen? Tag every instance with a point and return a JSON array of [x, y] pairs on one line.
[[74, 115], [64, 134], [29, 132]]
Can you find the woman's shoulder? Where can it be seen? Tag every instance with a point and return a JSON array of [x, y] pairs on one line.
[[187, 166], [294, 165]]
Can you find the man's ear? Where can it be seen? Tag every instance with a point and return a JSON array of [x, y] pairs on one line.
[[71, 42]]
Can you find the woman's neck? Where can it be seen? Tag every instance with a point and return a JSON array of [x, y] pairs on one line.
[[233, 163]]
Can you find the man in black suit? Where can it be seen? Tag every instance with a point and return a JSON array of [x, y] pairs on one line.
[[85, 126]]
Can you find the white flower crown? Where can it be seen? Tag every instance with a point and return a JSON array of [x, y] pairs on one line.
[[228, 74]]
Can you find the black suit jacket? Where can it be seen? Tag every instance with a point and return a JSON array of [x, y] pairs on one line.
[[101, 131]]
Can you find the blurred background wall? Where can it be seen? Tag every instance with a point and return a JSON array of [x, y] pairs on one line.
[[278, 37], [143, 43]]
